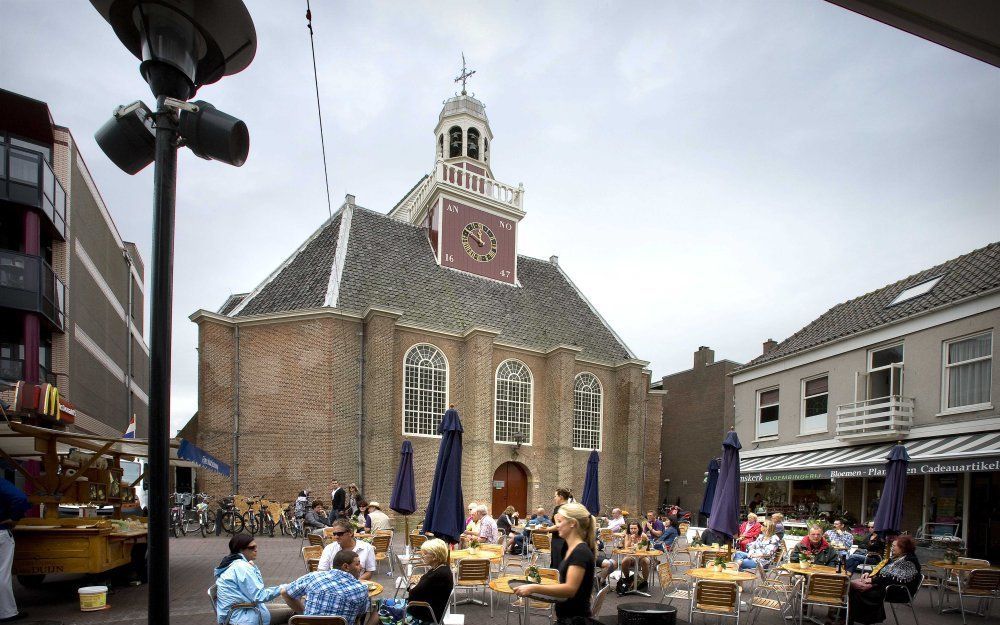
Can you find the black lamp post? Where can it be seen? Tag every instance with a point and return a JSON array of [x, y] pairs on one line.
[[183, 44]]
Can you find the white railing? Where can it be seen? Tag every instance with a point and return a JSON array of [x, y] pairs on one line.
[[875, 418], [479, 184]]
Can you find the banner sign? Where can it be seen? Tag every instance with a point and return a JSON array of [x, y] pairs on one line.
[[199, 456], [978, 465]]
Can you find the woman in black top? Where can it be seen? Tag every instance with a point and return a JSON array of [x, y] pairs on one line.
[[576, 571], [558, 547], [869, 594], [507, 520], [435, 585]]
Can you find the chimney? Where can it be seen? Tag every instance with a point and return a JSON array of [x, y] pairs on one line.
[[703, 357], [554, 260], [769, 346], [349, 199]]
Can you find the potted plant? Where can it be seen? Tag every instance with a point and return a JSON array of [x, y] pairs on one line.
[[532, 575], [718, 564], [643, 544], [804, 561], [951, 556], [473, 546]]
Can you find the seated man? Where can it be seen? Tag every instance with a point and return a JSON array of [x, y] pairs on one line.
[[315, 518], [617, 521], [653, 529], [343, 534], [380, 520], [537, 521], [814, 547], [870, 550], [839, 538], [483, 527], [335, 592]]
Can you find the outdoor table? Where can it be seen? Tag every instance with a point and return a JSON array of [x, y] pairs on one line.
[[638, 554], [962, 567], [374, 588], [725, 575], [493, 555], [813, 569], [646, 613], [502, 585]]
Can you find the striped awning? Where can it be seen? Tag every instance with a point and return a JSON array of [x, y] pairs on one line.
[[946, 454]]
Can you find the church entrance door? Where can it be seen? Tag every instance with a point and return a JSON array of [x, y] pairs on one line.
[[510, 488]]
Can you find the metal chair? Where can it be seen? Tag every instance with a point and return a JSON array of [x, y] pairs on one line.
[[417, 540], [932, 579], [316, 540], [672, 588], [299, 619], [826, 590], [381, 544], [982, 584], [541, 542], [424, 609], [894, 600], [213, 596], [775, 598], [473, 573], [312, 552], [535, 607], [721, 599]]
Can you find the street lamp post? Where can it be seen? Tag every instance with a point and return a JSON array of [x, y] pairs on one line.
[[183, 44]]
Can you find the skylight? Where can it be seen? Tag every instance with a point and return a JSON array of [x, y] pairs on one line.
[[916, 291]]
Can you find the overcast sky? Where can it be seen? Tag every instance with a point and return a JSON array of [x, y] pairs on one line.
[[713, 173]]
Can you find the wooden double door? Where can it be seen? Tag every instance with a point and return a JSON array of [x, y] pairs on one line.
[[510, 488]]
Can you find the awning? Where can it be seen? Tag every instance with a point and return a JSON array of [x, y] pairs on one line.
[[947, 454], [202, 458]]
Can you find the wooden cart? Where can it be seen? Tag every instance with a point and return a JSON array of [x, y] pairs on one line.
[[72, 545]]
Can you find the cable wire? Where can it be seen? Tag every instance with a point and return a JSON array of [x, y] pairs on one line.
[[319, 111]]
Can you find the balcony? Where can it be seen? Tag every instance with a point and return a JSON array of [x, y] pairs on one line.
[[12, 369], [26, 178], [447, 175], [28, 283], [873, 419]]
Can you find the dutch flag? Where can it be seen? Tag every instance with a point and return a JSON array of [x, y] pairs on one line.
[[130, 430]]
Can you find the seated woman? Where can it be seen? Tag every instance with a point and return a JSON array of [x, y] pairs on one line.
[[238, 580], [436, 584], [505, 522], [576, 571], [748, 532], [761, 551], [633, 536], [869, 593]]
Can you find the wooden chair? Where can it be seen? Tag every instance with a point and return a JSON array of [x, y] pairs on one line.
[[673, 588], [541, 541], [381, 543], [719, 598], [982, 584], [896, 594], [607, 537], [316, 540], [312, 552], [473, 573], [610, 619], [383, 532], [933, 578], [299, 619], [708, 556], [680, 555], [827, 590], [417, 540], [213, 596]]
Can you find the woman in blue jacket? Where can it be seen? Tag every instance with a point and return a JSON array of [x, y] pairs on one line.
[[238, 580]]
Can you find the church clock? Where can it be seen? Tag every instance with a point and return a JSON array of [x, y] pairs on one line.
[[477, 241]]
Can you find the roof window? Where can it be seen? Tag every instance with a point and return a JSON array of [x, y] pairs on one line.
[[916, 291]]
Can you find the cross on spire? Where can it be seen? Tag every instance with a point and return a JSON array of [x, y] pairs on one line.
[[465, 75]]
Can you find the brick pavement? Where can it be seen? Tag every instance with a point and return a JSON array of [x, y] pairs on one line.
[[192, 560]]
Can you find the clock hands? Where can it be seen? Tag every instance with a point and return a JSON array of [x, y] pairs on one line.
[[478, 237]]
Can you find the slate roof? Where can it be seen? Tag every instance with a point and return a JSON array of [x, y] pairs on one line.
[[390, 264], [969, 275], [231, 303]]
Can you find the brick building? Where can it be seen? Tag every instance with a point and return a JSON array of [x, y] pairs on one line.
[[701, 395], [71, 290], [377, 323]]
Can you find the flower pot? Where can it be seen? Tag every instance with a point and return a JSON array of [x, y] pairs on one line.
[[717, 568], [803, 565]]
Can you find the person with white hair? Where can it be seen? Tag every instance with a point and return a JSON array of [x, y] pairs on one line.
[[617, 520], [379, 520], [484, 526]]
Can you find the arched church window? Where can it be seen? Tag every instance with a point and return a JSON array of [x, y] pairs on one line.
[[425, 390], [473, 143], [513, 402], [588, 405], [454, 142], [441, 145]]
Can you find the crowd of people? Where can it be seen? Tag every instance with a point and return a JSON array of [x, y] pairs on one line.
[[337, 587]]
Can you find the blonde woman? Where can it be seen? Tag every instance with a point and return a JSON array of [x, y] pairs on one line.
[[435, 585], [577, 527], [761, 550]]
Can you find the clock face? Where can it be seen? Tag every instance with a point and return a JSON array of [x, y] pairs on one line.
[[479, 242]]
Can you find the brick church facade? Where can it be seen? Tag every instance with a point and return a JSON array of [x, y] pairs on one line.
[[378, 322]]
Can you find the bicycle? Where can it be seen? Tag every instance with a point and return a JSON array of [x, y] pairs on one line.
[[265, 522], [200, 518], [286, 524], [228, 517], [177, 515]]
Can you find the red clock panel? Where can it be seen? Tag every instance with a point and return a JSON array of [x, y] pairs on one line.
[[477, 241]]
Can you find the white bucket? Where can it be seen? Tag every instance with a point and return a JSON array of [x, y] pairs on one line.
[[93, 598]]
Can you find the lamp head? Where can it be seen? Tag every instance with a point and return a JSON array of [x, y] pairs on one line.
[[183, 44], [128, 137]]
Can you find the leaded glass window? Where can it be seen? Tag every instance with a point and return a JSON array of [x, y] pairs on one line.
[[588, 402], [513, 402]]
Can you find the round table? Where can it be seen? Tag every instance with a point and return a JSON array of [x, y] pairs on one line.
[[502, 585], [948, 567], [374, 588], [644, 613], [812, 570], [493, 555], [725, 575]]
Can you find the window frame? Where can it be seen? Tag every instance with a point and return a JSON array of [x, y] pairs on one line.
[[600, 413], [531, 402], [802, 406], [447, 388], [758, 436], [946, 379]]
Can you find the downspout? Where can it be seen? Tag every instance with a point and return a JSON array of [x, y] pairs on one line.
[[128, 338], [361, 410], [236, 417], [642, 469]]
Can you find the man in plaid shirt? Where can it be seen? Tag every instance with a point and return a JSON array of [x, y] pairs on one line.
[[336, 592]]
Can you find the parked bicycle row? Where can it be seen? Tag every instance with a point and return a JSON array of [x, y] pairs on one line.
[[194, 514]]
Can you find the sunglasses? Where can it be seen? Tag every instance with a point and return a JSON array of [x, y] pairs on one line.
[[254, 547], [337, 534]]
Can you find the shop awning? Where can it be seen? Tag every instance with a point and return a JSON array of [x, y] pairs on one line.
[[192, 453], [946, 454]]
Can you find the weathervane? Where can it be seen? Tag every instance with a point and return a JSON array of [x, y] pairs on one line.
[[465, 75]]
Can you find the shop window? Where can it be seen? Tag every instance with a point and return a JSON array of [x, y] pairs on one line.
[[968, 369], [588, 404], [425, 390], [815, 396], [767, 413]]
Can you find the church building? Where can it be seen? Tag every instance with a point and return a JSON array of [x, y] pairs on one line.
[[379, 321]]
